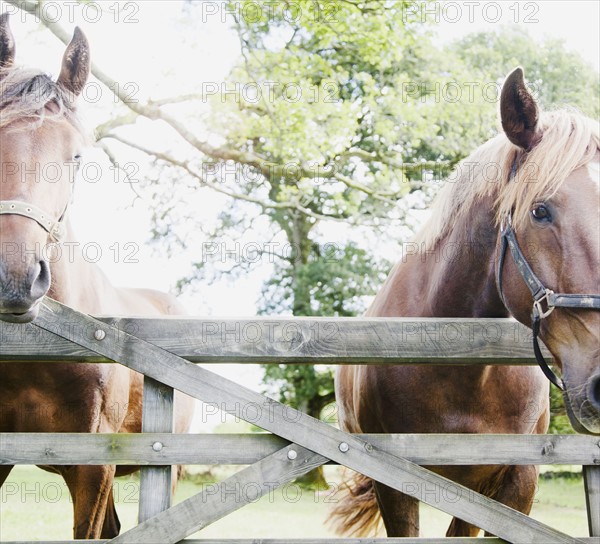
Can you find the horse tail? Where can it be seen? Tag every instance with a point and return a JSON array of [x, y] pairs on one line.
[[357, 513], [178, 473]]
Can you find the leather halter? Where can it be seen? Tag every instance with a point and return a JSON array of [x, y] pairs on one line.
[[541, 294], [54, 227]]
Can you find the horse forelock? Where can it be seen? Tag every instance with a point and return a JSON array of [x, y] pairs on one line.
[[568, 141], [26, 94]]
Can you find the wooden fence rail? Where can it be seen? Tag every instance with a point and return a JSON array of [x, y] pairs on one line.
[[164, 351], [292, 340], [245, 449]]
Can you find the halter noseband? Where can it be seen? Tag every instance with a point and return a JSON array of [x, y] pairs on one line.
[[54, 227], [541, 294]]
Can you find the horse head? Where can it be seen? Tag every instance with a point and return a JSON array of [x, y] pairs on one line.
[[40, 146], [551, 200]]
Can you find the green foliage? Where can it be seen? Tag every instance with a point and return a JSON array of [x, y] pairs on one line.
[[335, 280], [298, 385], [559, 420], [332, 282], [557, 76]]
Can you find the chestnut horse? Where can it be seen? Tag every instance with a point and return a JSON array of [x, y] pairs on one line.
[[529, 195], [40, 145]]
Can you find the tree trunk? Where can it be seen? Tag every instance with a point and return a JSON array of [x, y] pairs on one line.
[[297, 230]]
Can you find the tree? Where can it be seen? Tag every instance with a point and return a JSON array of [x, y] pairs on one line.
[[335, 282], [316, 143], [558, 77]]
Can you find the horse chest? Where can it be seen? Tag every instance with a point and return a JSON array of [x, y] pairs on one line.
[[436, 401]]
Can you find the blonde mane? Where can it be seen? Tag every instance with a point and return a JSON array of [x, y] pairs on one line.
[[569, 141]]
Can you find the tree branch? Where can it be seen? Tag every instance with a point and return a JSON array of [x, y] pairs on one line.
[[404, 166], [176, 99], [151, 110], [184, 165], [105, 128]]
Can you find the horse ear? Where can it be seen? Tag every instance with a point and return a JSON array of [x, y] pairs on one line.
[[519, 111], [7, 43], [75, 64]]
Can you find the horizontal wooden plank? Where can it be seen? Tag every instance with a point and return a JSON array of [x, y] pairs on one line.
[[293, 340], [245, 449]]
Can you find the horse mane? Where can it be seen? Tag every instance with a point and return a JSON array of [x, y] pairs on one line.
[[25, 94], [569, 140]]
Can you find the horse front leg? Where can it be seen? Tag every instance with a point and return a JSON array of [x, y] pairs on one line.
[[400, 512], [513, 486], [112, 525], [517, 488], [91, 490]]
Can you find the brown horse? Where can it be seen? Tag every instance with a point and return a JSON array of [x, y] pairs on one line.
[[538, 179], [40, 145]]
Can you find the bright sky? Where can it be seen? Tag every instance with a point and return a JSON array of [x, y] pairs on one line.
[[576, 21], [148, 47]]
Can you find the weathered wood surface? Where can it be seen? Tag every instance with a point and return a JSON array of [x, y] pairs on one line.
[[156, 481], [245, 449], [292, 340], [244, 487], [591, 481], [299, 428]]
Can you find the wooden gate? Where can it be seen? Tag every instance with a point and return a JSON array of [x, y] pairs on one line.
[[165, 351]]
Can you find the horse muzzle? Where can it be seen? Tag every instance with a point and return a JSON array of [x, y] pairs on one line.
[[21, 294], [26, 317], [583, 406]]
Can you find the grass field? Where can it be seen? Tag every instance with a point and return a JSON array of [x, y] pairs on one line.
[[35, 505]]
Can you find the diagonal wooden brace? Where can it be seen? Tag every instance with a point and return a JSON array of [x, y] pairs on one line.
[[244, 487]]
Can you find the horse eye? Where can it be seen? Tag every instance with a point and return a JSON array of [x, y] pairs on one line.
[[77, 158], [541, 213]]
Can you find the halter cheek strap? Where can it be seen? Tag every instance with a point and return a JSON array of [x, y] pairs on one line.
[[538, 291], [542, 296], [54, 227]]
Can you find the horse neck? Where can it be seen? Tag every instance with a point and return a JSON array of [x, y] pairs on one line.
[[454, 278], [75, 281]]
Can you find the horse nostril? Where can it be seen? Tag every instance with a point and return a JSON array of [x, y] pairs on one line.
[[41, 280]]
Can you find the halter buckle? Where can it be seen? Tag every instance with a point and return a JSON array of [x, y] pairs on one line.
[[537, 304]]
